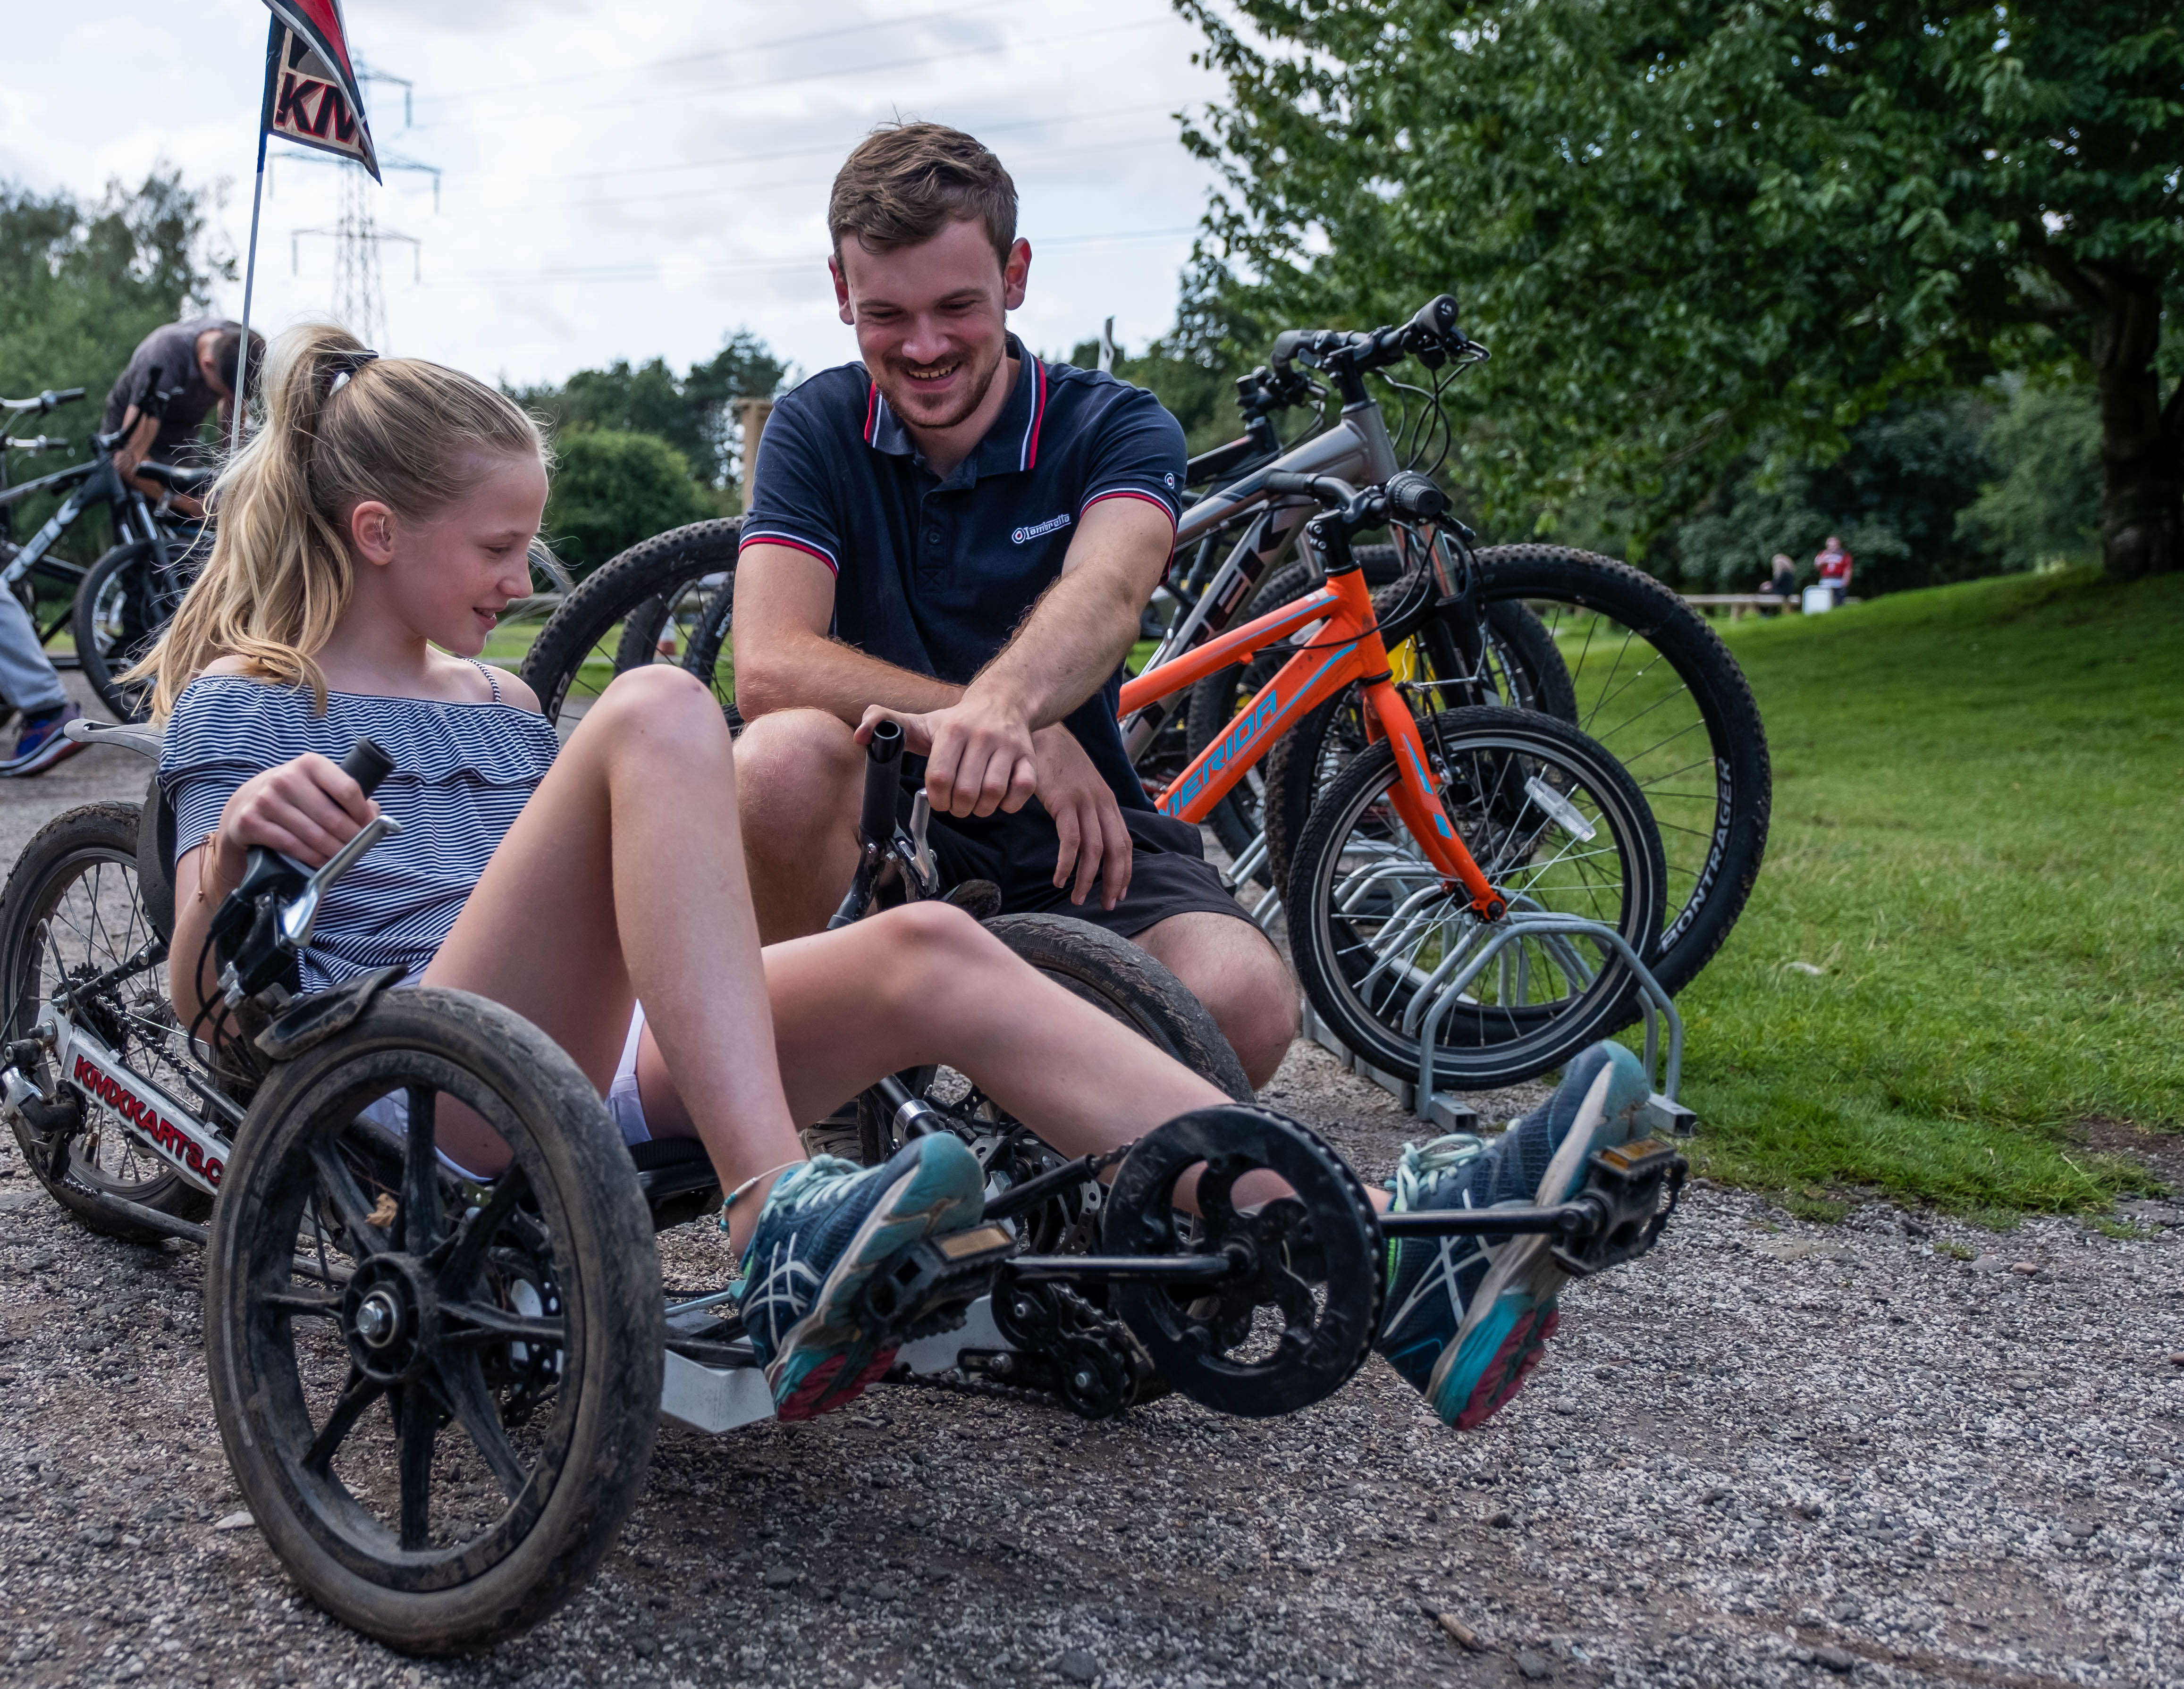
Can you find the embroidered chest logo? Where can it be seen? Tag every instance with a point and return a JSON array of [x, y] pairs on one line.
[[1039, 530]]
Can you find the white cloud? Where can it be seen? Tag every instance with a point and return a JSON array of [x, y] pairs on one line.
[[625, 181]]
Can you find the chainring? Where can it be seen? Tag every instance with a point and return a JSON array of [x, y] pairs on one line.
[[1310, 1259]]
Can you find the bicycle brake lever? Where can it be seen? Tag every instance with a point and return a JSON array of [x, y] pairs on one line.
[[298, 917]]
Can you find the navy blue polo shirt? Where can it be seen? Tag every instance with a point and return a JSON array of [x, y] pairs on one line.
[[933, 574]]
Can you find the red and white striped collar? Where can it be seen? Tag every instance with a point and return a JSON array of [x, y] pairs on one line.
[[1010, 444]]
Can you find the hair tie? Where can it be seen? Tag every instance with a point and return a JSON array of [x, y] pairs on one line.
[[345, 365]]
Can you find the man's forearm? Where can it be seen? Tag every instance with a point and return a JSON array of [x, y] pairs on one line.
[[810, 672], [1075, 635]]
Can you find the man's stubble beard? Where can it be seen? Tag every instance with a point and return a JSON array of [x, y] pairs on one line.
[[906, 389]]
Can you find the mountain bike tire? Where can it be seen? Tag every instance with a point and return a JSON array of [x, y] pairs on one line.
[[614, 620], [115, 618], [1595, 610], [1372, 923]]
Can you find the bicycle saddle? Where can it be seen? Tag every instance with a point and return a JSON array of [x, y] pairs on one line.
[[174, 477]]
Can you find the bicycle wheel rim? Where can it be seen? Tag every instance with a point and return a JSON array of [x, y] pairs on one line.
[[1387, 934]]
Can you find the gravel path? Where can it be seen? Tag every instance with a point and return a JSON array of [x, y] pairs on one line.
[[1890, 1451]]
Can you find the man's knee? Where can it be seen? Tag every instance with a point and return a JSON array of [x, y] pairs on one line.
[[797, 765], [1229, 966]]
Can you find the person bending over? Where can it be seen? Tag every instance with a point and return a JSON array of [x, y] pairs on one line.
[[371, 535], [956, 530]]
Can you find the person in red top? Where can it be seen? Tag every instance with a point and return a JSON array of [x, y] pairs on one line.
[[1834, 563]]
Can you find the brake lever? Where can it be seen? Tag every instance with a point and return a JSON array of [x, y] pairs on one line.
[[298, 917]]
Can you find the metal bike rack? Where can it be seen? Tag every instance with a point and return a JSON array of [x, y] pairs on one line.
[[1430, 1009]]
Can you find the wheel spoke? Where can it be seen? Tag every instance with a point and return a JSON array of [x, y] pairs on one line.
[[466, 1248], [290, 1304], [480, 1322], [416, 1418], [359, 1394], [418, 1225], [339, 1186], [464, 1383]]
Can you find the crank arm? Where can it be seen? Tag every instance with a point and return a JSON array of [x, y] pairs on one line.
[[1232, 1263]]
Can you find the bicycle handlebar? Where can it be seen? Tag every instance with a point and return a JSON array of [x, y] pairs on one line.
[[883, 786], [1431, 336], [48, 400], [1404, 493], [367, 764]]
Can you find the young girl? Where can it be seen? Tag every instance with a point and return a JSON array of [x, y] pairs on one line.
[[369, 537]]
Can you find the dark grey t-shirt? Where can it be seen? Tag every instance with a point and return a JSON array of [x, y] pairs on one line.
[[173, 350]]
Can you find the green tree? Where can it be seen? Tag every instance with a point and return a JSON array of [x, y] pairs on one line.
[[1689, 226], [80, 284], [2044, 509], [690, 413], [613, 487], [1897, 495]]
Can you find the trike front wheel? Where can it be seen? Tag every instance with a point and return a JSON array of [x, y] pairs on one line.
[[437, 1391]]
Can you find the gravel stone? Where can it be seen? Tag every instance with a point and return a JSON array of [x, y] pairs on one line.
[[1861, 1388], [1835, 1658], [1078, 1666], [1534, 1668]]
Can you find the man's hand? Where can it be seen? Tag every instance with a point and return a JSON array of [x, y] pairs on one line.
[[979, 754], [1094, 840]]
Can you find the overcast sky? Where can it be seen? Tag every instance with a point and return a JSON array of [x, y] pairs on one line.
[[624, 180]]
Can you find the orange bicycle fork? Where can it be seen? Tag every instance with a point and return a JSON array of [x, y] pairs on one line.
[[1344, 646]]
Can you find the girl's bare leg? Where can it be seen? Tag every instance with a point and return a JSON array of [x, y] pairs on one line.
[[928, 984], [623, 878]]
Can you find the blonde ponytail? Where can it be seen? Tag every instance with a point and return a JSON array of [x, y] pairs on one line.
[[342, 426]]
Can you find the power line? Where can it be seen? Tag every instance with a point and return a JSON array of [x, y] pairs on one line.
[[502, 277], [866, 28], [832, 146], [534, 206], [833, 72]]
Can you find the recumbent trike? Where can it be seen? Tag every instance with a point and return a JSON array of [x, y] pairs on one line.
[[516, 1331]]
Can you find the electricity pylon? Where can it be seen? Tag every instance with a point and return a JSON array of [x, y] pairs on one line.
[[360, 298]]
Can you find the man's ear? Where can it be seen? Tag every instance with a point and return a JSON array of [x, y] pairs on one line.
[[371, 532], [841, 291], [1015, 274]]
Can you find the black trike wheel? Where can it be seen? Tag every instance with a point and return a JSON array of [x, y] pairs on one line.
[[627, 613], [1297, 1320], [438, 1394], [73, 911]]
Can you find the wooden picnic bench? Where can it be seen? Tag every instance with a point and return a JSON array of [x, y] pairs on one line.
[[1737, 603]]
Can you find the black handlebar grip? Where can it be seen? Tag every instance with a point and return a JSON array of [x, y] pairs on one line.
[[883, 784], [1437, 317], [66, 396], [1285, 347], [1410, 494], [1286, 481], [367, 765]]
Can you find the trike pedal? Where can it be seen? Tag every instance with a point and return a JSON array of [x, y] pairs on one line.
[[927, 1287], [1625, 1188]]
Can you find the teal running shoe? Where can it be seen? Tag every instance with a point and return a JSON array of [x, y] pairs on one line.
[[825, 1229], [1467, 1318]]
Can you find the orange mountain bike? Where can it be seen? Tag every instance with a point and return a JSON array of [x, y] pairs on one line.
[[1454, 882]]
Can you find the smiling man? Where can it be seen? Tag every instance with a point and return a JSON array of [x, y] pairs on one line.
[[958, 534]]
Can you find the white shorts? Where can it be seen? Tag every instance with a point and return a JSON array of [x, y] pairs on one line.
[[623, 1104]]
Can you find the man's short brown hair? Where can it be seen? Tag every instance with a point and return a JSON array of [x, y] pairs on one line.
[[907, 181]]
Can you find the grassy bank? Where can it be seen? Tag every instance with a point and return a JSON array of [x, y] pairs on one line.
[[1977, 842]]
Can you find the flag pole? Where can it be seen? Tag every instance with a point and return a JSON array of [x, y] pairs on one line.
[[250, 264]]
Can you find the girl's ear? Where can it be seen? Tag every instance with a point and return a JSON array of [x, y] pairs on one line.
[[371, 532]]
